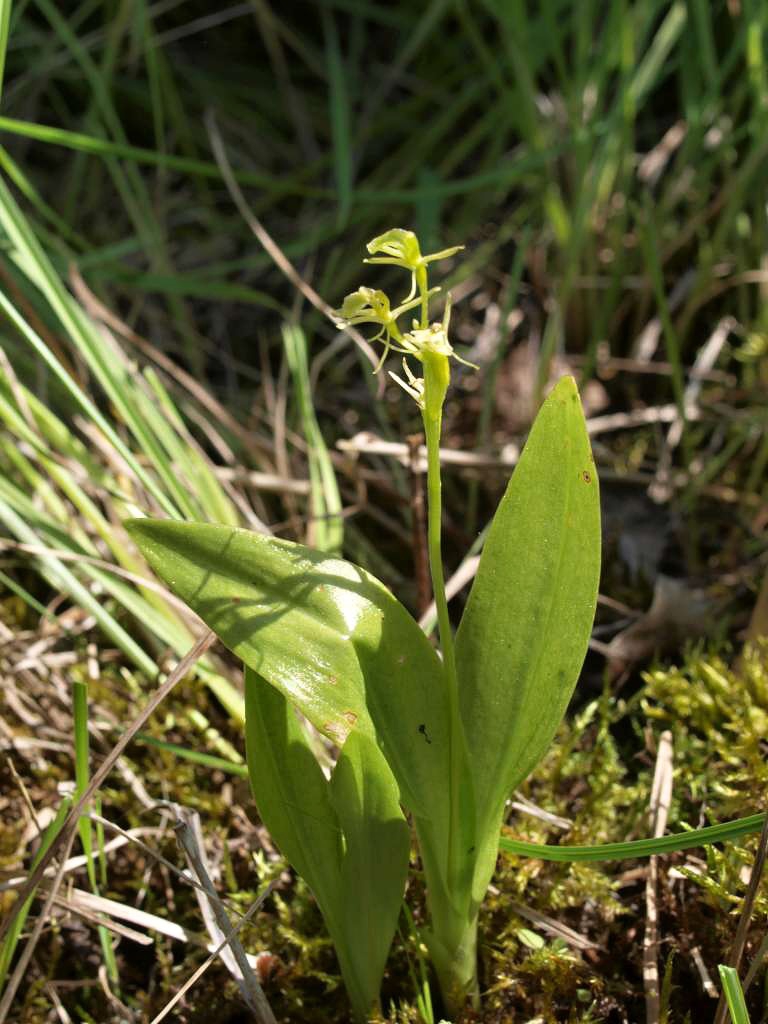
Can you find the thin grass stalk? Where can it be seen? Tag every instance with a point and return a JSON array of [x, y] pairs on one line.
[[82, 775]]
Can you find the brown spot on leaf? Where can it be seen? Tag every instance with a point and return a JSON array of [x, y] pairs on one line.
[[351, 717], [336, 731], [586, 477]]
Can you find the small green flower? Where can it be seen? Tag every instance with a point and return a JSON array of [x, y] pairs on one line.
[[366, 306], [371, 306], [431, 340], [402, 249], [430, 345]]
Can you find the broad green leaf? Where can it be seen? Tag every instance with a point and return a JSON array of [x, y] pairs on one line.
[[347, 838], [524, 633], [291, 792], [330, 637], [375, 865]]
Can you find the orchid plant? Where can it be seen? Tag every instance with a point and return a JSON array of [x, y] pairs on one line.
[[442, 736]]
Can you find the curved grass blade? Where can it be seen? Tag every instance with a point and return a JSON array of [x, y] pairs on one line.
[[639, 847]]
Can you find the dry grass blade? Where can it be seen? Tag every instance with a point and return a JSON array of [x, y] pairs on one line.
[[661, 794], [204, 966], [661, 488], [464, 574], [706, 979], [58, 1006], [274, 250], [97, 917], [190, 836], [82, 899], [63, 843], [556, 929]]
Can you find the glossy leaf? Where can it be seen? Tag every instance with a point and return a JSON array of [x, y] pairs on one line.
[[525, 629], [347, 838], [329, 636], [291, 792], [375, 865]]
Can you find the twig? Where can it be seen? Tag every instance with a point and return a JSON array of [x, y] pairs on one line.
[[661, 794]]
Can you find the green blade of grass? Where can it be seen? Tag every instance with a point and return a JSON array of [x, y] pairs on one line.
[[84, 143], [82, 778], [338, 100], [196, 756], [734, 994], [639, 847], [327, 525], [85, 403], [5, 22]]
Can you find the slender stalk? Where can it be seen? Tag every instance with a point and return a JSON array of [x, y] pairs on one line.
[[458, 977], [456, 930], [421, 281], [432, 430]]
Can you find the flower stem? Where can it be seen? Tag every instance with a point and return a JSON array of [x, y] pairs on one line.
[[449, 890], [421, 281], [432, 429]]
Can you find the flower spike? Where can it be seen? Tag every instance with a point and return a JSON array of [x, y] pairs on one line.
[[428, 343]]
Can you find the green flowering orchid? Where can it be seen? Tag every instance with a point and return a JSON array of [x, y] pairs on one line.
[[445, 739]]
